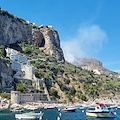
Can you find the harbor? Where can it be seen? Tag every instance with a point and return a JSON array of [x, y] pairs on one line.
[[54, 114]]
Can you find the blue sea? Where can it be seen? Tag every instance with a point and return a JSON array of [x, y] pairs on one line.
[[53, 114]]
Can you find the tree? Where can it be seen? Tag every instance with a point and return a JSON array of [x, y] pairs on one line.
[[5, 95], [53, 92], [27, 51], [21, 86], [83, 97], [67, 81], [2, 51]]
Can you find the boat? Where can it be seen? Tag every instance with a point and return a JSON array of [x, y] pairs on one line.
[[49, 107], [67, 109], [100, 111], [30, 115], [32, 108], [17, 110], [118, 106], [113, 107]]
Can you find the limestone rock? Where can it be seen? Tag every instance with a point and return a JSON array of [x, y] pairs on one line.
[[6, 74], [14, 29], [52, 42], [5, 104], [89, 63]]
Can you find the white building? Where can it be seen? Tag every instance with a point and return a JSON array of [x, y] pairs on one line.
[[99, 72], [29, 71], [11, 51], [15, 55], [20, 64], [16, 66], [18, 57]]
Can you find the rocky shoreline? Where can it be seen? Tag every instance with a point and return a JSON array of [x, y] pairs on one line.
[[6, 104]]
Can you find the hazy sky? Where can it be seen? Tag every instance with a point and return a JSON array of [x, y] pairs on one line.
[[87, 28]]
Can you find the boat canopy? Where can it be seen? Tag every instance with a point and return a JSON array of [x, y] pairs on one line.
[[100, 103]]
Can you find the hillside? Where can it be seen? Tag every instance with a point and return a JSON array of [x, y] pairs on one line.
[[89, 63], [65, 81], [41, 46]]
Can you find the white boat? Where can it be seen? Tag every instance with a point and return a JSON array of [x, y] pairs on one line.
[[113, 107], [67, 109], [100, 111], [17, 110], [118, 106], [49, 107], [32, 108], [30, 115]]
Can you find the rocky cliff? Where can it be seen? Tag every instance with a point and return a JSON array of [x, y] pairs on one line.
[[6, 76], [14, 29], [89, 63]]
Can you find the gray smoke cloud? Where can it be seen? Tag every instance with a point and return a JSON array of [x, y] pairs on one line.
[[88, 42]]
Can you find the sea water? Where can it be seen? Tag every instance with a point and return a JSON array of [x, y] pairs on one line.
[[53, 114]]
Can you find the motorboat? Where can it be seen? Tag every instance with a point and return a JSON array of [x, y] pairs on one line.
[[32, 108], [113, 107], [17, 110], [100, 111], [29, 115], [67, 109], [49, 107]]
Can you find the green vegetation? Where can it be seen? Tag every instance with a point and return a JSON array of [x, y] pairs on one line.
[[65, 81], [4, 12], [5, 95], [2, 51], [21, 86], [22, 20], [35, 26], [53, 93]]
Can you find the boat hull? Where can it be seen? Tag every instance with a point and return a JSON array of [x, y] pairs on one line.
[[73, 110], [68, 110], [98, 114], [29, 116]]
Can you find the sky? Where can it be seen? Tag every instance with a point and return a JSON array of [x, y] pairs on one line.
[[87, 28]]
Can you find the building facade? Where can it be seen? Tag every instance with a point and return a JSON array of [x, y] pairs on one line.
[[18, 97]]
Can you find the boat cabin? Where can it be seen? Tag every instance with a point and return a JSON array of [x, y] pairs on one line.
[[100, 106]]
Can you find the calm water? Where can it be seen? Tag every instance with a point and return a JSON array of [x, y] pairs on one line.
[[53, 114]]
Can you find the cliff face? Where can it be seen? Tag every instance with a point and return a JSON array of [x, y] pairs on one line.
[[6, 73], [48, 38], [13, 29], [89, 63]]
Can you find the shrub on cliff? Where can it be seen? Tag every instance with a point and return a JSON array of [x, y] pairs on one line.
[[67, 81], [21, 86], [2, 51], [83, 97], [5, 95], [53, 92]]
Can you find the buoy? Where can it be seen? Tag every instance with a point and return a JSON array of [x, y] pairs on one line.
[[58, 118], [114, 113], [60, 114]]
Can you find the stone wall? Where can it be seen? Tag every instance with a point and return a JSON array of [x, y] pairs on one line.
[[15, 97], [18, 97]]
